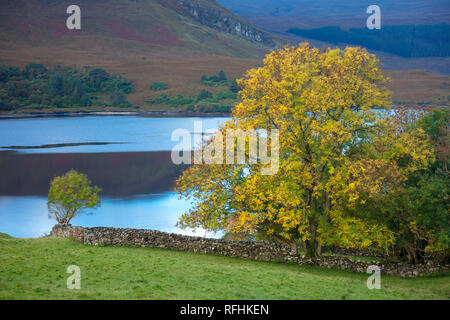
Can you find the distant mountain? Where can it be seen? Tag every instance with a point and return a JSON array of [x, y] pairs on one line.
[[284, 14], [406, 41], [409, 37]]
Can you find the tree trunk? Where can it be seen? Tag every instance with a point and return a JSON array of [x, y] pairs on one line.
[[319, 250], [311, 248], [311, 244]]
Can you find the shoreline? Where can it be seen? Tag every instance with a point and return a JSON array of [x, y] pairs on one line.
[[155, 114]]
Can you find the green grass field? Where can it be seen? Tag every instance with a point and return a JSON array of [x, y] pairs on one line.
[[36, 269]]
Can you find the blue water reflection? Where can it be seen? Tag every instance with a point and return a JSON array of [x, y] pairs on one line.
[[127, 133], [26, 217]]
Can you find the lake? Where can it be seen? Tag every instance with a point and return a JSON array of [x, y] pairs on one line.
[[127, 156]]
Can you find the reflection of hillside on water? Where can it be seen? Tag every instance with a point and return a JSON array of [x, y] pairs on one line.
[[118, 174]]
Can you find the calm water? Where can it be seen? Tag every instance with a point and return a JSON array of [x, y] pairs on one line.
[[25, 217], [126, 133], [135, 175]]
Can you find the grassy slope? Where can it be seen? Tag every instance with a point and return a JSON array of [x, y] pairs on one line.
[[35, 269], [419, 86]]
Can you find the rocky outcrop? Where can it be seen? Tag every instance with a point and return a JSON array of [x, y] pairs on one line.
[[252, 250], [212, 15]]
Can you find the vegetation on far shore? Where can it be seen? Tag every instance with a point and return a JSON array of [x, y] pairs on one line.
[[29, 90], [37, 87], [36, 269], [159, 86], [205, 101]]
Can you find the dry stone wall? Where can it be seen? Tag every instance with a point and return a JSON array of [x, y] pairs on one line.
[[257, 250]]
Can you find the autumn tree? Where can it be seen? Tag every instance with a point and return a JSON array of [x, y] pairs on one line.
[[70, 195], [323, 105], [434, 210], [417, 209]]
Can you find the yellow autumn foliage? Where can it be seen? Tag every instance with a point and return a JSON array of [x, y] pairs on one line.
[[337, 149]]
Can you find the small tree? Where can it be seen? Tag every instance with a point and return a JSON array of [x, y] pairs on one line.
[[221, 76], [204, 94], [118, 98], [69, 195], [159, 86], [234, 87]]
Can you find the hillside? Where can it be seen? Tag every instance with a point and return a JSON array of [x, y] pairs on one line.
[[316, 21], [148, 41], [36, 269], [284, 14], [406, 41], [148, 26], [176, 43]]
